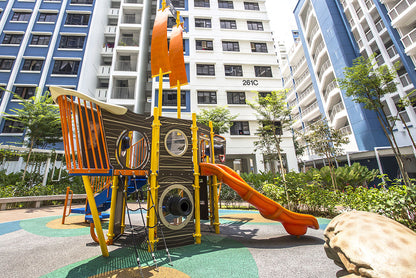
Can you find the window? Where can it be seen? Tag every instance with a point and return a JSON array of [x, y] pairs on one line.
[[204, 45], [77, 19], [255, 25], [32, 65], [201, 3], [25, 92], [21, 16], [233, 70], [72, 42], [169, 98], [207, 97], [240, 128], [12, 127], [203, 22], [263, 71], [47, 17], [230, 46], [178, 3], [202, 69], [258, 47], [251, 6], [171, 22], [12, 38], [277, 125], [6, 64], [236, 98], [225, 4], [228, 24], [88, 2], [65, 67], [40, 40]]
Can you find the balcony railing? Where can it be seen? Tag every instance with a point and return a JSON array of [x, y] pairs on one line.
[[345, 130], [123, 93], [324, 67], [133, 1], [104, 70], [296, 117], [305, 93], [337, 108], [405, 80], [332, 85], [392, 51], [369, 35], [302, 77], [379, 59], [380, 25], [400, 8], [126, 66], [113, 12], [131, 19], [369, 4], [292, 103], [295, 67], [359, 13], [409, 39], [101, 93], [127, 41], [318, 50], [308, 109]]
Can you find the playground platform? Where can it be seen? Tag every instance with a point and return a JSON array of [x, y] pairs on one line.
[[35, 244]]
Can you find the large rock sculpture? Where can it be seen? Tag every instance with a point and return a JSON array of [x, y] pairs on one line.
[[366, 244]]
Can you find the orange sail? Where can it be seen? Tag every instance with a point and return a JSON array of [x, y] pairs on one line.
[[159, 50], [176, 59]]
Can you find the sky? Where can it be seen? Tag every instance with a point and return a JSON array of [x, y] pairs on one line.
[[280, 13]]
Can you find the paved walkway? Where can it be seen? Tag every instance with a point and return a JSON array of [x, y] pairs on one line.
[[33, 243]]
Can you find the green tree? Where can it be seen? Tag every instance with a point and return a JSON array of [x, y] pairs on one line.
[[220, 117], [326, 141], [273, 114], [39, 117], [367, 83]]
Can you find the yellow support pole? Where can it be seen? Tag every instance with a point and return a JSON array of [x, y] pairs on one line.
[[95, 216], [194, 129], [114, 189], [178, 97], [214, 185], [159, 100], [123, 215], [154, 167]]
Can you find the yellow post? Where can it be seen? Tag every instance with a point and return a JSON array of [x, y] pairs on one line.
[[154, 167], [163, 5], [159, 105], [95, 216], [114, 189], [123, 215], [178, 97], [194, 129], [214, 185]]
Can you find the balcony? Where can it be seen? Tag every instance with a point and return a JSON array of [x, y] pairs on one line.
[[409, 39], [107, 51], [346, 130], [380, 26], [301, 78], [110, 30], [324, 67], [369, 35], [405, 80], [122, 93], [104, 71], [126, 66], [318, 50], [331, 86], [369, 4], [379, 59], [305, 93], [310, 108], [113, 13], [128, 41], [392, 51], [359, 13], [101, 94], [131, 19], [400, 8], [337, 108], [133, 1], [298, 64]]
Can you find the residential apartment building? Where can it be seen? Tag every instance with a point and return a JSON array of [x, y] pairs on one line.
[[102, 48], [229, 57], [332, 34]]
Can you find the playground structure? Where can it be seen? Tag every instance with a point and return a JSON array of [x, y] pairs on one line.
[[174, 160]]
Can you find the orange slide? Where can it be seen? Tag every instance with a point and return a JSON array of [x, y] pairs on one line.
[[294, 223]]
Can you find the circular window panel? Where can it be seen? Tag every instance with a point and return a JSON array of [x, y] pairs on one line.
[[176, 207], [133, 149], [176, 142]]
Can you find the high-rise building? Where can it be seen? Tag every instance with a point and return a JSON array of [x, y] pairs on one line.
[[101, 48], [332, 34]]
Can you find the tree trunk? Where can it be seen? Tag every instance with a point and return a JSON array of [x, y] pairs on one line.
[[283, 170], [408, 132], [28, 159]]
